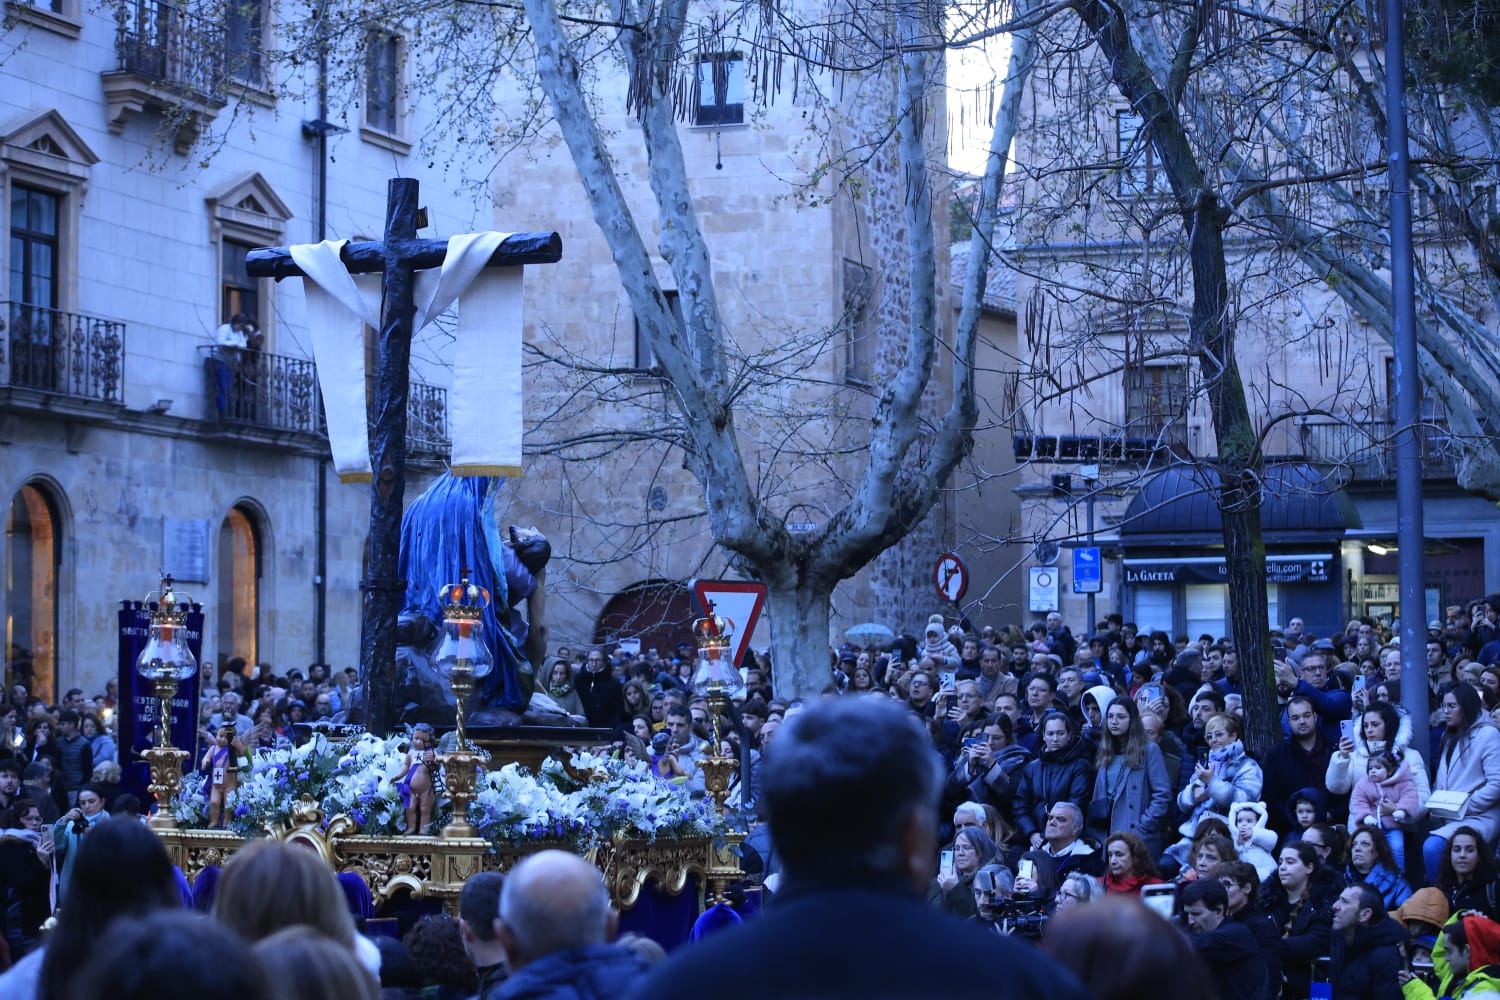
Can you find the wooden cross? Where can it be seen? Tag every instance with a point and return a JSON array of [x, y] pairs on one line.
[[396, 258]]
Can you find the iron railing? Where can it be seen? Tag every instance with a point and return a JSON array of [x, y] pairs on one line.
[[256, 389], [164, 42], [1367, 448], [67, 353], [427, 420]]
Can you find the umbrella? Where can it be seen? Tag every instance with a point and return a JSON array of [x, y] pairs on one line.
[[870, 634]]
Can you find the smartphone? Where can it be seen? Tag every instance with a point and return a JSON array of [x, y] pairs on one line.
[[1346, 730], [1359, 683], [1160, 899], [1026, 868], [945, 862], [1203, 757], [945, 681], [1153, 692], [972, 741]]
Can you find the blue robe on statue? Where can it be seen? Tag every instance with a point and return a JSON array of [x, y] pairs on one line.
[[452, 526]]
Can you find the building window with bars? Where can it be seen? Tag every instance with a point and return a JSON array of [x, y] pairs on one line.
[[383, 81], [244, 41], [1156, 403], [720, 90]]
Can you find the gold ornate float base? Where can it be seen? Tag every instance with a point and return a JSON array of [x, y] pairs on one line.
[[437, 867]]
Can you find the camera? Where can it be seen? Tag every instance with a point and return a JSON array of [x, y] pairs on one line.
[[1026, 917], [80, 825]]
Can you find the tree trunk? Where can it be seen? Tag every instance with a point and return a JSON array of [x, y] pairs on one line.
[[1240, 461], [799, 637]]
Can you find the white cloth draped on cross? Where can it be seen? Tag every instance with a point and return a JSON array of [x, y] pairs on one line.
[[484, 400]]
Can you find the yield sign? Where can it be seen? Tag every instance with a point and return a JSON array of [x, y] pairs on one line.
[[738, 600]]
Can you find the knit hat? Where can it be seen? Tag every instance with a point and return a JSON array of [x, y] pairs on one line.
[[1428, 906], [1484, 941]]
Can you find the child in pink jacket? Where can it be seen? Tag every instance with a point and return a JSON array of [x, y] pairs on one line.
[[1384, 797]]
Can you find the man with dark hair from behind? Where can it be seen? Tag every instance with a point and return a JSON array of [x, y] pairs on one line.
[[478, 923], [556, 926], [1227, 947], [851, 792]]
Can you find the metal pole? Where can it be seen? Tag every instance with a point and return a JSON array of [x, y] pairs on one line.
[[1093, 621], [1409, 531]]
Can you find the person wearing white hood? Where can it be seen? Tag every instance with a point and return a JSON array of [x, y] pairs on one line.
[[937, 645], [1383, 728]]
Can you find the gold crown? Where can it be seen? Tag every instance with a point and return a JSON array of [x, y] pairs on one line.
[[167, 606], [464, 601], [713, 631]]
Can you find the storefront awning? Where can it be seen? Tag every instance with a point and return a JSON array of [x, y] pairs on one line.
[[1310, 567], [1177, 507]]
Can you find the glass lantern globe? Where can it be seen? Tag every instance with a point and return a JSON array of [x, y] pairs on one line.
[[716, 673], [463, 649], [166, 656]]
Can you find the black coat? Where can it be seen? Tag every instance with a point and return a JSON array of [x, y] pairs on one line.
[[602, 697], [1062, 774], [598, 972], [1268, 939], [1287, 770], [1234, 960], [1305, 930], [815, 941], [1366, 967]]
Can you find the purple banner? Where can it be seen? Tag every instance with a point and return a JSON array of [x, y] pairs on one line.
[[138, 704]]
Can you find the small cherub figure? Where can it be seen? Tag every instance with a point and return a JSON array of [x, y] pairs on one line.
[[223, 776], [415, 783]]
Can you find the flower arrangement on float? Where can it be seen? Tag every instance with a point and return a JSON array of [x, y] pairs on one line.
[[587, 799]]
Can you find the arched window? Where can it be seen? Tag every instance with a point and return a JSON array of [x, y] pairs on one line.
[[239, 585], [32, 554]]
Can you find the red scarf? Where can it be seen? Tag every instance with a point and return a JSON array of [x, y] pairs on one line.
[[1130, 884]]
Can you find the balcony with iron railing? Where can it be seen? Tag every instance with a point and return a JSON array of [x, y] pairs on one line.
[[260, 390], [1367, 448], [67, 354], [169, 60], [256, 394]]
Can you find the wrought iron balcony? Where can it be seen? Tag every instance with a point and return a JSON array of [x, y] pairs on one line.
[[254, 389], [169, 60], [427, 421], [69, 354], [1367, 448]]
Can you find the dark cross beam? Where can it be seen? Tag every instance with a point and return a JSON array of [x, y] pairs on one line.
[[396, 257]]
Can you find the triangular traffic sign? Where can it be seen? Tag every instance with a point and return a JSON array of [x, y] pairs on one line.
[[738, 600]]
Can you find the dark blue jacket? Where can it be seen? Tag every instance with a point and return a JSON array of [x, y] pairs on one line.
[[815, 941], [598, 972]]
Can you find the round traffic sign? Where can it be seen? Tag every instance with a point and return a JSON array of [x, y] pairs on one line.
[[951, 577]]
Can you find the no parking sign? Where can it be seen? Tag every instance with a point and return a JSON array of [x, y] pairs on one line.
[[1043, 588]]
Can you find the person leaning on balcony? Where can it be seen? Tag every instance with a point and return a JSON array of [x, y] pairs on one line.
[[231, 340]]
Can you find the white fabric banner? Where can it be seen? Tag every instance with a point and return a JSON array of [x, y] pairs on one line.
[[484, 402], [339, 307]]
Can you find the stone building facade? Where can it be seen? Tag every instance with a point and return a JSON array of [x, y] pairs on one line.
[[138, 160]]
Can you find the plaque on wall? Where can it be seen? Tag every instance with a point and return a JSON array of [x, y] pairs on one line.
[[184, 548]]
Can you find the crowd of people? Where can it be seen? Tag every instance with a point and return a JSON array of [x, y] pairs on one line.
[[1112, 764], [1055, 783]]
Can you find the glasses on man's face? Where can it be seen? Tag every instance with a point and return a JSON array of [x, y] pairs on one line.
[[1063, 894]]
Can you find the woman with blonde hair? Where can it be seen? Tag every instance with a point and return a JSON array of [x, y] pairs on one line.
[[315, 967], [271, 885]]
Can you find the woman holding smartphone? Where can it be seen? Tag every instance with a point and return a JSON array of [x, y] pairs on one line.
[[953, 889], [1381, 728]]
